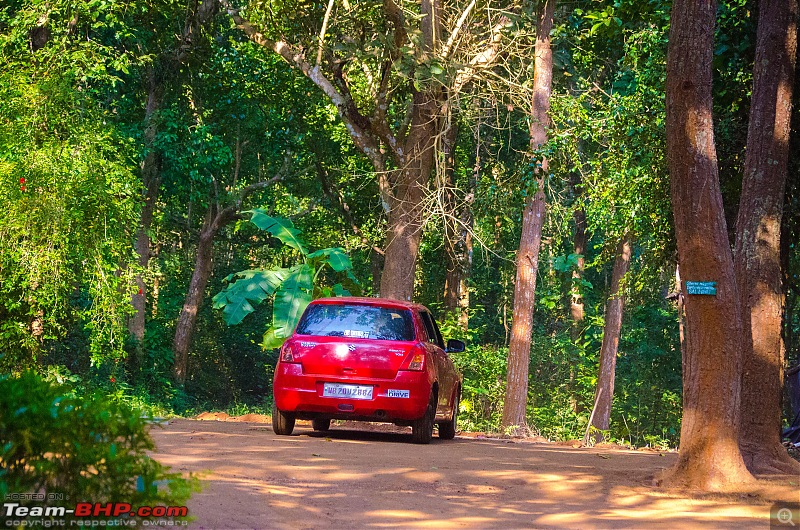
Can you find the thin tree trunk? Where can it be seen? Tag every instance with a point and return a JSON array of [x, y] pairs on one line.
[[197, 14], [579, 245], [758, 245], [709, 457], [468, 222], [151, 183], [519, 350], [458, 236], [184, 329], [453, 233], [216, 219], [601, 415]]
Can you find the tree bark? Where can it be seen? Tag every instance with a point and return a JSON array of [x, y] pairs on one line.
[[405, 223], [197, 14], [519, 349], [412, 154], [151, 183], [579, 245], [184, 329], [758, 245], [458, 237], [453, 238], [709, 457], [601, 416]]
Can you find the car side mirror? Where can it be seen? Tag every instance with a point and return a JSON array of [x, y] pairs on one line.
[[455, 346]]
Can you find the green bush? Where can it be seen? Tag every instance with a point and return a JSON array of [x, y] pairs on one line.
[[483, 390], [90, 448]]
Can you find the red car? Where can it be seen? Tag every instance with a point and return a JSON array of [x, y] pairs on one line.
[[367, 359]]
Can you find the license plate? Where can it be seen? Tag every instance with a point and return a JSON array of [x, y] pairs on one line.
[[338, 390]]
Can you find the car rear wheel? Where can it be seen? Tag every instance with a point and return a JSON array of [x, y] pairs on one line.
[[447, 429], [321, 424], [282, 422], [422, 429]]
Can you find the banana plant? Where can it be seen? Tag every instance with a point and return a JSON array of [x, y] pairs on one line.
[[293, 288]]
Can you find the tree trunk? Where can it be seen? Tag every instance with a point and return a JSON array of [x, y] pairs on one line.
[[519, 349], [758, 246], [151, 183], [709, 457], [458, 235], [404, 230], [184, 329], [579, 246], [601, 415], [681, 309], [453, 238]]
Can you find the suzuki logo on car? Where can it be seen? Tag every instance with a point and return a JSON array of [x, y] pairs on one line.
[[351, 347]]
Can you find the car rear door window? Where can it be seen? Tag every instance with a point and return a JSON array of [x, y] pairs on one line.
[[432, 331], [357, 321]]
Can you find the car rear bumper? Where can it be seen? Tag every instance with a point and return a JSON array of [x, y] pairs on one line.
[[302, 394]]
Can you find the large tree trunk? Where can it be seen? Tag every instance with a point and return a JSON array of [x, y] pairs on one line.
[[184, 329], [709, 456], [405, 224], [758, 247], [151, 183], [601, 415], [519, 349]]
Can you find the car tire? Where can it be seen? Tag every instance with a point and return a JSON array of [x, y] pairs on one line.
[[447, 429], [422, 429], [282, 422], [321, 424]]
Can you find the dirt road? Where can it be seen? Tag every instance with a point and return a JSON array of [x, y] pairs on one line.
[[350, 479]]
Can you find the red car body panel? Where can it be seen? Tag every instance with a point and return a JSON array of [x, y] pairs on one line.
[[398, 395]]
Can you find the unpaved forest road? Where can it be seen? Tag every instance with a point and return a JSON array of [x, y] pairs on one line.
[[350, 479]]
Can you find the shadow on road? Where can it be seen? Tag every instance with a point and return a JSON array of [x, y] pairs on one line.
[[348, 478]]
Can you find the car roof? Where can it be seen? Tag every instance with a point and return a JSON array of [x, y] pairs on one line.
[[363, 300]]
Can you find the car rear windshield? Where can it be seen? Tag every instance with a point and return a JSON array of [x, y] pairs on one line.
[[357, 321]]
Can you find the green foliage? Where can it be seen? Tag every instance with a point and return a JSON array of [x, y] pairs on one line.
[[67, 186], [90, 448], [294, 288], [484, 387]]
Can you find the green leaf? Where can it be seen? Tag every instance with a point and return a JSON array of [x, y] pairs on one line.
[[335, 257], [291, 300], [279, 227], [251, 288], [270, 340], [339, 290]]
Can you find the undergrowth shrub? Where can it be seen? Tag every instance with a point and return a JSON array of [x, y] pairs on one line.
[[90, 448], [483, 390]]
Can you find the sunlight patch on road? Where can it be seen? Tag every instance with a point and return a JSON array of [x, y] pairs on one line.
[[456, 522], [397, 514]]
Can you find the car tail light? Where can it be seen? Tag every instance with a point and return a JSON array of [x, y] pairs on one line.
[[287, 354], [415, 361]]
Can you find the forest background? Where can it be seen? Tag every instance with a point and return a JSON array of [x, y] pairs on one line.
[[137, 138]]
